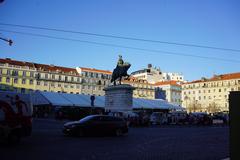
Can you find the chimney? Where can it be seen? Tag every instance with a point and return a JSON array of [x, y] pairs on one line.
[[149, 65]]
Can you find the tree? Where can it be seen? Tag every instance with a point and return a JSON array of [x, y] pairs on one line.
[[213, 107], [194, 107]]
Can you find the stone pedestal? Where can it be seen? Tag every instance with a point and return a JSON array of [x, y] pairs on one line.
[[119, 97]]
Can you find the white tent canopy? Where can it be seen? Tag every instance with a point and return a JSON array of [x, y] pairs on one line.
[[65, 99], [153, 104]]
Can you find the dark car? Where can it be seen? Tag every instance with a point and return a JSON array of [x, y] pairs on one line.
[[97, 125]]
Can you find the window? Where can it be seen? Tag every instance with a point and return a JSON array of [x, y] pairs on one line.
[[77, 86], [219, 90], [199, 91], [45, 83], [15, 73], [59, 85], [66, 78], [8, 72], [0, 79], [46, 76], [0, 71], [53, 76], [209, 91], [78, 79], [59, 78], [31, 81], [38, 83], [24, 73], [15, 80], [65, 86], [23, 81], [52, 85], [72, 86], [72, 79], [225, 89], [83, 87], [31, 74]]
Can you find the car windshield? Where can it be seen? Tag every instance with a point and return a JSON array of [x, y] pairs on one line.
[[85, 119]]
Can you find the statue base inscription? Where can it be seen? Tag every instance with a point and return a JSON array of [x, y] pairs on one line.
[[119, 97]]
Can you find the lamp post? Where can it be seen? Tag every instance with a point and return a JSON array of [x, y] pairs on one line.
[[10, 42]]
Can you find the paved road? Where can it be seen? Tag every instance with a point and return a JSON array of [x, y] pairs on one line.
[[188, 143]]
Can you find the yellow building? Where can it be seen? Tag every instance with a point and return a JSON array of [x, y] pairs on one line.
[[57, 79], [143, 89], [25, 77], [210, 95], [17, 75]]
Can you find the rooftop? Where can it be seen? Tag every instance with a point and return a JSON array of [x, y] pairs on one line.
[[218, 78]]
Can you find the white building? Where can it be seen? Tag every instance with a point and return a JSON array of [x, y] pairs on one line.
[[172, 91], [153, 75], [210, 95], [150, 74], [173, 77]]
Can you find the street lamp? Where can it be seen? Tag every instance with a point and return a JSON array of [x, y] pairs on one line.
[[10, 42]]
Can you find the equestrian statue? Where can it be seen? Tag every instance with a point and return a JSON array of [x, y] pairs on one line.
[[120, 71]]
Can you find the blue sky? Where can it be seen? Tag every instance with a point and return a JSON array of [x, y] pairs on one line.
[[205, 22]]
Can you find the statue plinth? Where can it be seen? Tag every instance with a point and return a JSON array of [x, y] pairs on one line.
[[119, 97]]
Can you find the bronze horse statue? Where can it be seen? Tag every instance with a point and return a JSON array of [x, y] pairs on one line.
[[119, 72]]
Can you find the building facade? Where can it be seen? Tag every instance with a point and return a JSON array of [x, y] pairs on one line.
[[26, 77], [210, 95], [94, 80], [173, 77], [153, 75], [17, 75], [150, 74], [172, 91], [143, 89]]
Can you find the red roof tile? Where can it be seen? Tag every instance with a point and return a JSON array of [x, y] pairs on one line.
[[218, 78], [38, 66], [175, 83], [95, 70]]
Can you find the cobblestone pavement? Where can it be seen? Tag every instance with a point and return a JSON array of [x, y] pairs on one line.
[[149, 143]]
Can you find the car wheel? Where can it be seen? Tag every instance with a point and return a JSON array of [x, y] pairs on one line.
[[119, 132]]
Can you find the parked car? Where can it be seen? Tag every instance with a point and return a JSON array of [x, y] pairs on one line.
[[97, 125], [200, 118], [177, 117], [158, 118]]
